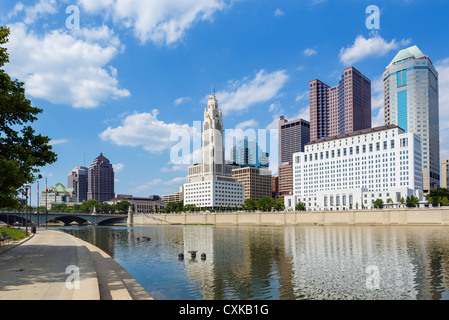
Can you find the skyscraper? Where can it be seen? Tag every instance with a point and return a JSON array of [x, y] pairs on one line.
[[411, 102], [210, 183], [256, 181], [248, 153], [341, 109], [293, 136], [445, 173], [101, 180], [78, 180]]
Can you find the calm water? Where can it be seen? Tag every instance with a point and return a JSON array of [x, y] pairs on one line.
[[285, 263]]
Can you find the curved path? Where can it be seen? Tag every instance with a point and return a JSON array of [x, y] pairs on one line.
[[43, 267]]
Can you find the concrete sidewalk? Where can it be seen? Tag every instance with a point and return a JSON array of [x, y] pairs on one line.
[[36, 269]]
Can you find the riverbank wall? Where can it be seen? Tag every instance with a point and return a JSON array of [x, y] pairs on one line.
[[385, 217]]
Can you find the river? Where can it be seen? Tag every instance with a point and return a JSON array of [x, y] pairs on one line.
[[281, 263]]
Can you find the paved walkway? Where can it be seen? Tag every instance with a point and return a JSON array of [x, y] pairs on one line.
[[36, 269]]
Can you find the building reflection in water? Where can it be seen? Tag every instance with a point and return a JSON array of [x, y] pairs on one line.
[[334, 262], [262, 263]]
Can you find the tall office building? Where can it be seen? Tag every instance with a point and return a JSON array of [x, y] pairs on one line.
[[445, 173], [209, 183], [341, 109], [248, 153], [411, 102], [77, 179], [293, 136], [256, 181], [101, 180]]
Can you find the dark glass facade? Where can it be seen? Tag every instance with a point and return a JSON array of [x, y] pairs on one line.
[[101, 180]]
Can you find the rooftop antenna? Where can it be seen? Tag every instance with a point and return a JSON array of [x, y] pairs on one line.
[[212, 89]]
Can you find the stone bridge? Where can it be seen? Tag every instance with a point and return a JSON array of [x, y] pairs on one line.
[[12, 218]]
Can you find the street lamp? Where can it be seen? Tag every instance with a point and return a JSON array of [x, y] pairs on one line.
[[26, 186]]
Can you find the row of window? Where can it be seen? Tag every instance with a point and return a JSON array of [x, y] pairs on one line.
[[351, 151]]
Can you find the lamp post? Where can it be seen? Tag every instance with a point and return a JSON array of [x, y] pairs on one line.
[[26, 186]]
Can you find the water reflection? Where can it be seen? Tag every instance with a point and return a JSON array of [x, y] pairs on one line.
[[287, 263]]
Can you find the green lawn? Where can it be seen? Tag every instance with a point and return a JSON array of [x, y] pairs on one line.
[[15, 233]]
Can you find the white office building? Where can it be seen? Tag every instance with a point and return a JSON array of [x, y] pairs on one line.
[[210, 183], [351, 171]]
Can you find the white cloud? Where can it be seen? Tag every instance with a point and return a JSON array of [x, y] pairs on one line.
[[310, 52], [147, 131], [241, 95], [181, 100], [32, 13], [55, 142], [302, 96], [378, 117], [274, 107], [147, 185], [159, 182], [66, 67], [118, 167], [278, 12], [377, 101], [161, 22], [364, 48], [247, 124]]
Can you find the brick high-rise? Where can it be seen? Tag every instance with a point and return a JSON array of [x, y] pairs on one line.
[[344, 108], [101, 180], [293, 136]]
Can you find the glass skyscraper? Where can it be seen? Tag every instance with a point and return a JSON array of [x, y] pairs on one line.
[[78, 180], [411, 102], [248, 153]]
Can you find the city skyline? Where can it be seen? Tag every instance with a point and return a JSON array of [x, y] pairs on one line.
[[149, 81]]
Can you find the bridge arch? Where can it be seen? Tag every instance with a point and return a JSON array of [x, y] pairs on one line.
[[81, 219]]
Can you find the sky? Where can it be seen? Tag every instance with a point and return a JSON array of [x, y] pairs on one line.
[[130, 78]]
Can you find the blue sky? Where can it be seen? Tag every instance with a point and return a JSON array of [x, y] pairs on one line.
[[138, 70]]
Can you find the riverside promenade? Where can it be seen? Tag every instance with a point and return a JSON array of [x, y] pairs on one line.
[[46, 265]]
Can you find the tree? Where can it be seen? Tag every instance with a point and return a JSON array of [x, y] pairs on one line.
[[62, 207], [171, 207], [88, 206], [104, 208], [190, 208], [436, 195], [444, 201], [123, 206], [250, 204], [265, 203], [279, 205], [379, 203], [22, 151], [300, 206], [412, 202]]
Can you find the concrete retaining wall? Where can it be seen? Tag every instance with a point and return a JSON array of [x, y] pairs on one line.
[[417, 216]]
